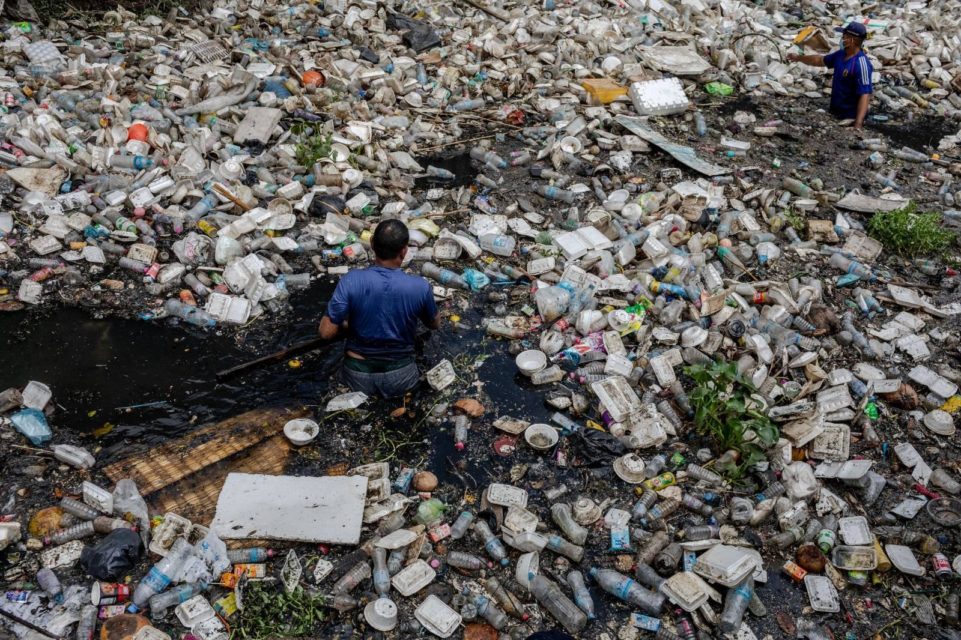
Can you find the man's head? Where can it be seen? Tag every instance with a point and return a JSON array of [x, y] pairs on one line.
[[853, 34], [390, 240]]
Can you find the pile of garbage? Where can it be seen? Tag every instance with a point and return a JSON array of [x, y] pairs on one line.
[[746, 381]]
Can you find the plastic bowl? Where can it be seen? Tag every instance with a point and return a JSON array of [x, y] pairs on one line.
[[541, 436], [531, 361], [381, 614], [301, 431]]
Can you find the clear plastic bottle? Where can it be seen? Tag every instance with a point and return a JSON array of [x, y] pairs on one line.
[[507, 600], [549, 595], [253, 554], [667, 560], [735, 604], [647, 576], [549, 375], [696, 505], [628, 590], [553, 193], [50, 584], [489, 611], [582, 597], [700, 125], [160, 575], [79, 509], [461, 428], [88, 622], [354, 576], [443, 276], [643, 505], [461, 524], [467, 561], [189, 314], [492, 544], [698, 472], [76, 532], [395, 560], [563, 517], [467, 105], [130, 162], [381, 573], [181, 593], [488, 157], [655, 465], [649, 551], [701, 532], [559, 545], [498, 244]]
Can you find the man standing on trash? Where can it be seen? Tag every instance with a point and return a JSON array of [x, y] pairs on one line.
[[378, 309], [851, 86]]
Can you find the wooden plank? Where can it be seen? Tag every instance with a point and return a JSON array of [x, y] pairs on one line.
[[174, 461]]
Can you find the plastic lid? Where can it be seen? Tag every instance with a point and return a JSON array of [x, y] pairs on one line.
[[940, 422], [381, 614], [903, 559]]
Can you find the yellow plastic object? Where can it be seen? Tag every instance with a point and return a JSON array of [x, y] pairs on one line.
[[603, 90]]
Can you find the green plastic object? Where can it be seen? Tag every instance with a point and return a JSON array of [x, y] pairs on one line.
[[718, 89]]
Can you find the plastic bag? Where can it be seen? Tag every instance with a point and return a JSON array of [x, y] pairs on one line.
[[114, 557], [596, 448], [718, 89], [213, 552], [475, 279], [126, 499], [32, 424]]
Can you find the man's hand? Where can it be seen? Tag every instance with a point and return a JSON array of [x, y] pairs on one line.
[[793, 57]]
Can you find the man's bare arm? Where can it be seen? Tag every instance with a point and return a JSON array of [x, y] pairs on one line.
[[328, 330], [435, 323], [862, 112], [813, 60]]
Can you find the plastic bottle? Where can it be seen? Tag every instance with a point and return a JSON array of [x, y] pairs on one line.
[[495, 548], [655, 465], [842, 262], [553, 193], [468, 561], [130, 162], [381, 574], [160, 575], [79, 509], [667, 560], [462, 524], [582, 597], [507, 600], [700, 125], [563, 517], [647, 576], [735, 604], [50, 584], [549, 595], [696, 505], [548, 376], [489, 611], [698, 472], [189, 314], [773, 490], [559, 545], [201, 208], [628, 590], [440, 174], [488, 157], [88, 622], [643, 505], [461, 427], [649, 551], [443, 276], [349, 581], [76, 532], [395, 560], [701, 532], [498, 244], [181, 593], [253, 554], [467, 105]]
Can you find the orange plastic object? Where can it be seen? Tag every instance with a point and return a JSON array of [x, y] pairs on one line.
[[313, 79], [603, 90], [137, 131]]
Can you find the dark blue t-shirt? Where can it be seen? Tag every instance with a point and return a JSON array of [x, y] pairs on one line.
[[382, 307], [852, 79]]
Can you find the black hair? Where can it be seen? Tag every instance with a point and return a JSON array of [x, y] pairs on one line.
[[390, 238]]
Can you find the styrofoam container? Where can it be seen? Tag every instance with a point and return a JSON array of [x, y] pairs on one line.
[[855, 531], [150, 633], [528, 566], [36, 395], [166, 533], [194, 611], [396, 540], [903, 559], [617, 396], [725, 565], [660, 97], [520, 520], [506, 495], [541, 436], [686, 590], [381, 614], [531, 361], [230, 309], [822, 594], [850, 558], [437, 617], [413, 578]]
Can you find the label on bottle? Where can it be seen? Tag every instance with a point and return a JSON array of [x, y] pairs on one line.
[[156, 580]]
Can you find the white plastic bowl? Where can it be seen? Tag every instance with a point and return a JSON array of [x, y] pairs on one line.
[[301, 431], [541, 436], [531, 361]]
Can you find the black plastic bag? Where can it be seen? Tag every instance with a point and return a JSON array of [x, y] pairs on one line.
[[596, 448], [418, 35], [114, 557]]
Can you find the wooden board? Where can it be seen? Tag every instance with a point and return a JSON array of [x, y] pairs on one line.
[[185, 476]]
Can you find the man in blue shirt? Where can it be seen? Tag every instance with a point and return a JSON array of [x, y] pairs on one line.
[[851, 86], [378, 309]]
